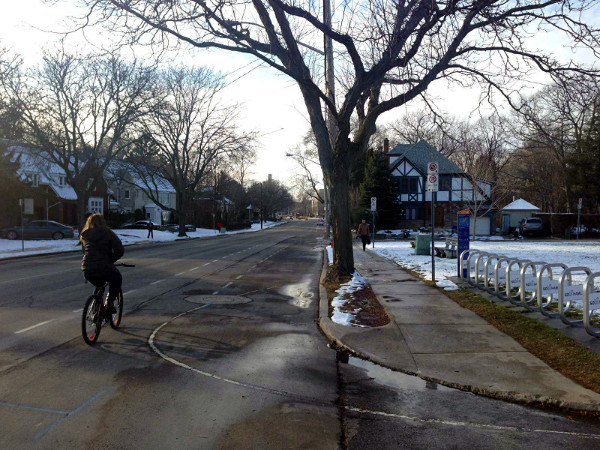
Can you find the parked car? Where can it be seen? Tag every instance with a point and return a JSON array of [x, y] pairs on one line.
[[40, 229], [531, 226], [139, 225], [174, 227], [320, 222], [581, 230]]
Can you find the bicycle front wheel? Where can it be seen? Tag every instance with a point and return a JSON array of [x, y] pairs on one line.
[[91, 322], [115, 319]]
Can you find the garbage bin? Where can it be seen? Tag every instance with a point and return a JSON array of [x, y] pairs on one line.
[[568, 234], [423, 244]]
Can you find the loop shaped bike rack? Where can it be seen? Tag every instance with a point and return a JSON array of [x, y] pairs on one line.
[[526, 283], [591, 299], [461, 264], [490, 273], [547, 290], [497, 276], [472, 253], [479, 279], [509, 284], [573, 292]]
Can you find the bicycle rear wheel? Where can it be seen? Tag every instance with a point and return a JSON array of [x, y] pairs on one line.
[[115, 319], [91, 322]]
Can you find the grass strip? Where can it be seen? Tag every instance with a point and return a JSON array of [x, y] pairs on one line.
[[569, 357]]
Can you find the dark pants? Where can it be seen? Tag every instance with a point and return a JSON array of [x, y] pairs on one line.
[[365, 239], [113, 277], [150, 233]]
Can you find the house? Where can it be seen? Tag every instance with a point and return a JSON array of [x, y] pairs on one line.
[[408, 163], [54, 199], [129, 185], [514, 212]]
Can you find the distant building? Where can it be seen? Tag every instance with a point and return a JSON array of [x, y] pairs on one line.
[[408, 163]]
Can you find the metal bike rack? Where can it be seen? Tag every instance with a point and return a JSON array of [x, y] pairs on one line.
[[461, 263], [570, 293], [529, 284], [547, 288], [490, 272], [498, 277], [512, 281], [472, 253], [591, 299], [481, 276]]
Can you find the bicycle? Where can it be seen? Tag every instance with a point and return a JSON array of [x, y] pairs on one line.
[[94, 312]]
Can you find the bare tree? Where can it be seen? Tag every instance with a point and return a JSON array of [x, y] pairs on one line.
[[306, 156], [76, 113], [241, 164], [388, 53], [187, 131]]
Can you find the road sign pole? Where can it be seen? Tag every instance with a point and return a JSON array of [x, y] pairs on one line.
[[432, 237], [432, 187], [373, 210], [579, 217]]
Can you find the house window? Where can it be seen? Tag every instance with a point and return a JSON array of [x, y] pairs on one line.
[[62, 180], [32, 178], [409, 185], [127, 194], [445, 183], [96, 205], [412, 214]]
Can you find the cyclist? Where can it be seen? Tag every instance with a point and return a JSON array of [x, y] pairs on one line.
[[101, 249]]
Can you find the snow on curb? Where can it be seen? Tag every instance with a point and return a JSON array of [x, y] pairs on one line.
[[347, 317]]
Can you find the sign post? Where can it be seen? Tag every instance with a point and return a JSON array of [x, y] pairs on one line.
[[579, 204], [464, 234], [373, 209], [432, 186]]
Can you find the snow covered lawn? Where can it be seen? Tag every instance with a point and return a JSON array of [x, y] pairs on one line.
[[13, 248], [571, 253]]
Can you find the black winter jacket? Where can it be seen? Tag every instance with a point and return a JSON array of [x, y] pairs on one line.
[[101, 248]]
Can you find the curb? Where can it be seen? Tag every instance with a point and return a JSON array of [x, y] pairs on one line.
[[334, 334]]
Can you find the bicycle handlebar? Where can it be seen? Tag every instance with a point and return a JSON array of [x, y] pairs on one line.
[[124, 265]]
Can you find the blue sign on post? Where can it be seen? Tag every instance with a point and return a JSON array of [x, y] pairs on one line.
[[464, 218]]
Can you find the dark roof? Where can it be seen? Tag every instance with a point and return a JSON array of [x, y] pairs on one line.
[[420, 154]]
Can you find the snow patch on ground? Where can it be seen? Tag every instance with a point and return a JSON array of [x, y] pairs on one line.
[[330, 254], [347, 316], [10, 249]]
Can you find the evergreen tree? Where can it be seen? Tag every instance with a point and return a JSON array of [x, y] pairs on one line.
[[378, 183]]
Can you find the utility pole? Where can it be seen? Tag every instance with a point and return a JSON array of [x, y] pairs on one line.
[[330, 92]]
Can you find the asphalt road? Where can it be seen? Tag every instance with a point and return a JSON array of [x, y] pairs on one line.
[[219, 348]]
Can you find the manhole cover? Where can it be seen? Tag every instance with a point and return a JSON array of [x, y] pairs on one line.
[[218, 299]]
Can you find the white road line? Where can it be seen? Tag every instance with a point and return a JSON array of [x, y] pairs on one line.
[[193, 268], [238, 277], [158, 281], [129, 292], [206, 264], [34, 326], [470, 424], [77, 310], [215, 293], [178, 274], [214, 260], [227, 285]]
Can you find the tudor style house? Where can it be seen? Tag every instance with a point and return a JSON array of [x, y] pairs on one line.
[[408, 163]]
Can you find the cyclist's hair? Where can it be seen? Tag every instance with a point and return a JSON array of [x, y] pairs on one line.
[[93, 221]]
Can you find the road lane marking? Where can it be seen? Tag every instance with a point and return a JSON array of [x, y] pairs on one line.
[[34, 408], [77, 310], [178, 274], [469, 424], [158, 281], [193, 268], [214, 260], [227, 285], [206, 264], [215, 293], [238, 277], [129, 292], [34, 326]]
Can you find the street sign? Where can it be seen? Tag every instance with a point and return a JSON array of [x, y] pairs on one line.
[[432, 168], [580, 203], [432, 183], [463, 236], [373, 203]]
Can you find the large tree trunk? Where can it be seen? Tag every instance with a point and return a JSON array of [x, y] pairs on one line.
[[343, 256], [182, 213]]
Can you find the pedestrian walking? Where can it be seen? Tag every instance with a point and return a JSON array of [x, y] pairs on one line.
[[150, 230], [363, 233]]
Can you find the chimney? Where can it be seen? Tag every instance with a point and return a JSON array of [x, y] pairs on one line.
[[386, 145], [270, 177]]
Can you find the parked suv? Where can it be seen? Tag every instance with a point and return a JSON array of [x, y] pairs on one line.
[[531, 226], [39, 229]]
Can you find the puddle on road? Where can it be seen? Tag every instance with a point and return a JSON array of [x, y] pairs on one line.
[[395, 380], [301, 295]]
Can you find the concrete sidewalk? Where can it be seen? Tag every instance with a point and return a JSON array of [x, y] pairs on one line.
[[433, 337]]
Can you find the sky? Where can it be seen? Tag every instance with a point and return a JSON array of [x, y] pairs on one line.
[[270, 103]]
